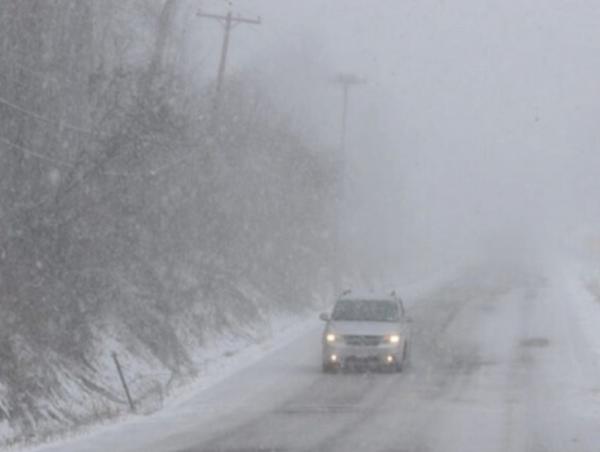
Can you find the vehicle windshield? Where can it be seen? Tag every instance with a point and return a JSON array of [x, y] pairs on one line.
[[366, 311]]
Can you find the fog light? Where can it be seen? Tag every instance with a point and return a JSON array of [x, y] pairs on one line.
[[334, 358], [390, 359]]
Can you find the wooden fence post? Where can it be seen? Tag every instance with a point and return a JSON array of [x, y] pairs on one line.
[[123, 382]]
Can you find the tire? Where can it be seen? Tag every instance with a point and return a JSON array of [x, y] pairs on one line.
[[400, 365], [328, 368]]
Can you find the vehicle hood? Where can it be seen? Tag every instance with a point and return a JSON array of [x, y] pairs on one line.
[[364, 328]]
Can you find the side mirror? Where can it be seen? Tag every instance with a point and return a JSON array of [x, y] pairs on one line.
[[324, 317], [408, 319]]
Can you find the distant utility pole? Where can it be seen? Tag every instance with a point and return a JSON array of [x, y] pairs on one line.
[[228, 21], [346, 81]]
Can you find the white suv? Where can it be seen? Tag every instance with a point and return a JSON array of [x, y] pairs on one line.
[[367, 330]]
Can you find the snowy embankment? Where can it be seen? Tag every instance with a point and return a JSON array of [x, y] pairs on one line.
[[161, 364], [226, 356]]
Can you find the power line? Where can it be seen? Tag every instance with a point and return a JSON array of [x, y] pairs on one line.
[[38, 73], [66, 125], [27, 151], [59, 124]]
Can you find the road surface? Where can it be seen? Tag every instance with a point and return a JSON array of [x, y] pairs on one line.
[[492, 368]]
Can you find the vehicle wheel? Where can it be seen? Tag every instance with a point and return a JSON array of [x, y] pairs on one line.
[[400, 365], [328, 368]]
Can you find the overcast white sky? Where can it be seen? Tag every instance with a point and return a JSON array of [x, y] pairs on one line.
[[478, 125]]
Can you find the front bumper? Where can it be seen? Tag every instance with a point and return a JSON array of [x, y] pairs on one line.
[[382, 354]]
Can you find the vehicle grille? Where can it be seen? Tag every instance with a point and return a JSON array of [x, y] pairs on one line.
[[371, 341]]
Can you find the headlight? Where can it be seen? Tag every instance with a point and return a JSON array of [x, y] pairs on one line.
[[393, 338], [330, 337]]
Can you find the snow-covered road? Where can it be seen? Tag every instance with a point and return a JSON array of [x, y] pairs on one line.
[[492, 369]]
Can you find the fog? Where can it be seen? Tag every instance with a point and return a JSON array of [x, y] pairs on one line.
[[173, 223], [475, 133]]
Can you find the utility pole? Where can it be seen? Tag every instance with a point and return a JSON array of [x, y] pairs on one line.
[[346, 81], [229, 22]]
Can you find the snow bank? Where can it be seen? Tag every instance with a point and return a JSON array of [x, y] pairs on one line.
[[225, 356], [5, 430], [583, 286]]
